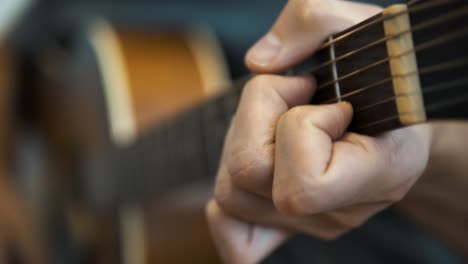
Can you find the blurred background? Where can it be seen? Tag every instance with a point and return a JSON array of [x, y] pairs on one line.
[[57, 57], [97, 165]]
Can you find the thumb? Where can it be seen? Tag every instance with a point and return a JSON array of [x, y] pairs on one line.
[[240, 242], [301, 28]]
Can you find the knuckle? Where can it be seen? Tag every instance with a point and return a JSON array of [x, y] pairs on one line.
[[211, 211], [331, 236], [327, 235], [223, 194], [258, 82], [396, 196], [394, 155], [347, 221], [297, 116], [295, 200], [334, 235], [245, 165], [312, 11]]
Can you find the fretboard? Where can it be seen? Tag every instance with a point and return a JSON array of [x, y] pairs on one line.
[[353, 66]]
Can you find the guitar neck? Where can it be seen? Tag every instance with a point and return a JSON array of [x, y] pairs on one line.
[[398, 68], [443, 65]]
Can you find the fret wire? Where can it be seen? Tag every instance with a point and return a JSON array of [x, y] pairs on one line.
[[335, 71], [410, 9], [428, 44], [415, 28]]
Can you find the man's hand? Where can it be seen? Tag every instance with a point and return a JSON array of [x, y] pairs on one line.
[[289, 167]]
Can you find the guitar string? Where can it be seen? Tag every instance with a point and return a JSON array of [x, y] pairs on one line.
[[411, 9], [422, 71], [431, 89], [429, 69], [415, 28], [428, 90], [430, 108], [422, 7], [428, 44], [437, 20], [435, 88]]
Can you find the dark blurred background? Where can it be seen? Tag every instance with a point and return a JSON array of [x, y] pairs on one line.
[[238, 24]]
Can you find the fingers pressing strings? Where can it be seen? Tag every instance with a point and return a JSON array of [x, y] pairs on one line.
[[249, 148]]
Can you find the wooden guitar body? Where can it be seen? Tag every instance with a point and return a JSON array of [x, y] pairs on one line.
[[112, 85]]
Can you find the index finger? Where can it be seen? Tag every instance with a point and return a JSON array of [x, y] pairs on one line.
[[249, 148]]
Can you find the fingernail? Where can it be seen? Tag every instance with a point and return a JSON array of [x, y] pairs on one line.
[[265, 50]]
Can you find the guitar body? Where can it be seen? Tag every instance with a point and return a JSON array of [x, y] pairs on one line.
[[114, 84]]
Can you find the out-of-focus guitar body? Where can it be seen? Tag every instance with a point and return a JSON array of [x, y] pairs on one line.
[[114, 83], [19, 241]]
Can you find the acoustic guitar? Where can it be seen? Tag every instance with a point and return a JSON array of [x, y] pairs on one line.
[[113, 83], [139, 117]]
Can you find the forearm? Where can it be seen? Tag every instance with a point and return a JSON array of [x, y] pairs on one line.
[[439, 199]]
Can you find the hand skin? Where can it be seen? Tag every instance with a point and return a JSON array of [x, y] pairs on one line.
[[289, 167]]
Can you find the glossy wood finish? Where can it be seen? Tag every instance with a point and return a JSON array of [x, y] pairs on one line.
[[163, 72], [164, 78], [161, 75]]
